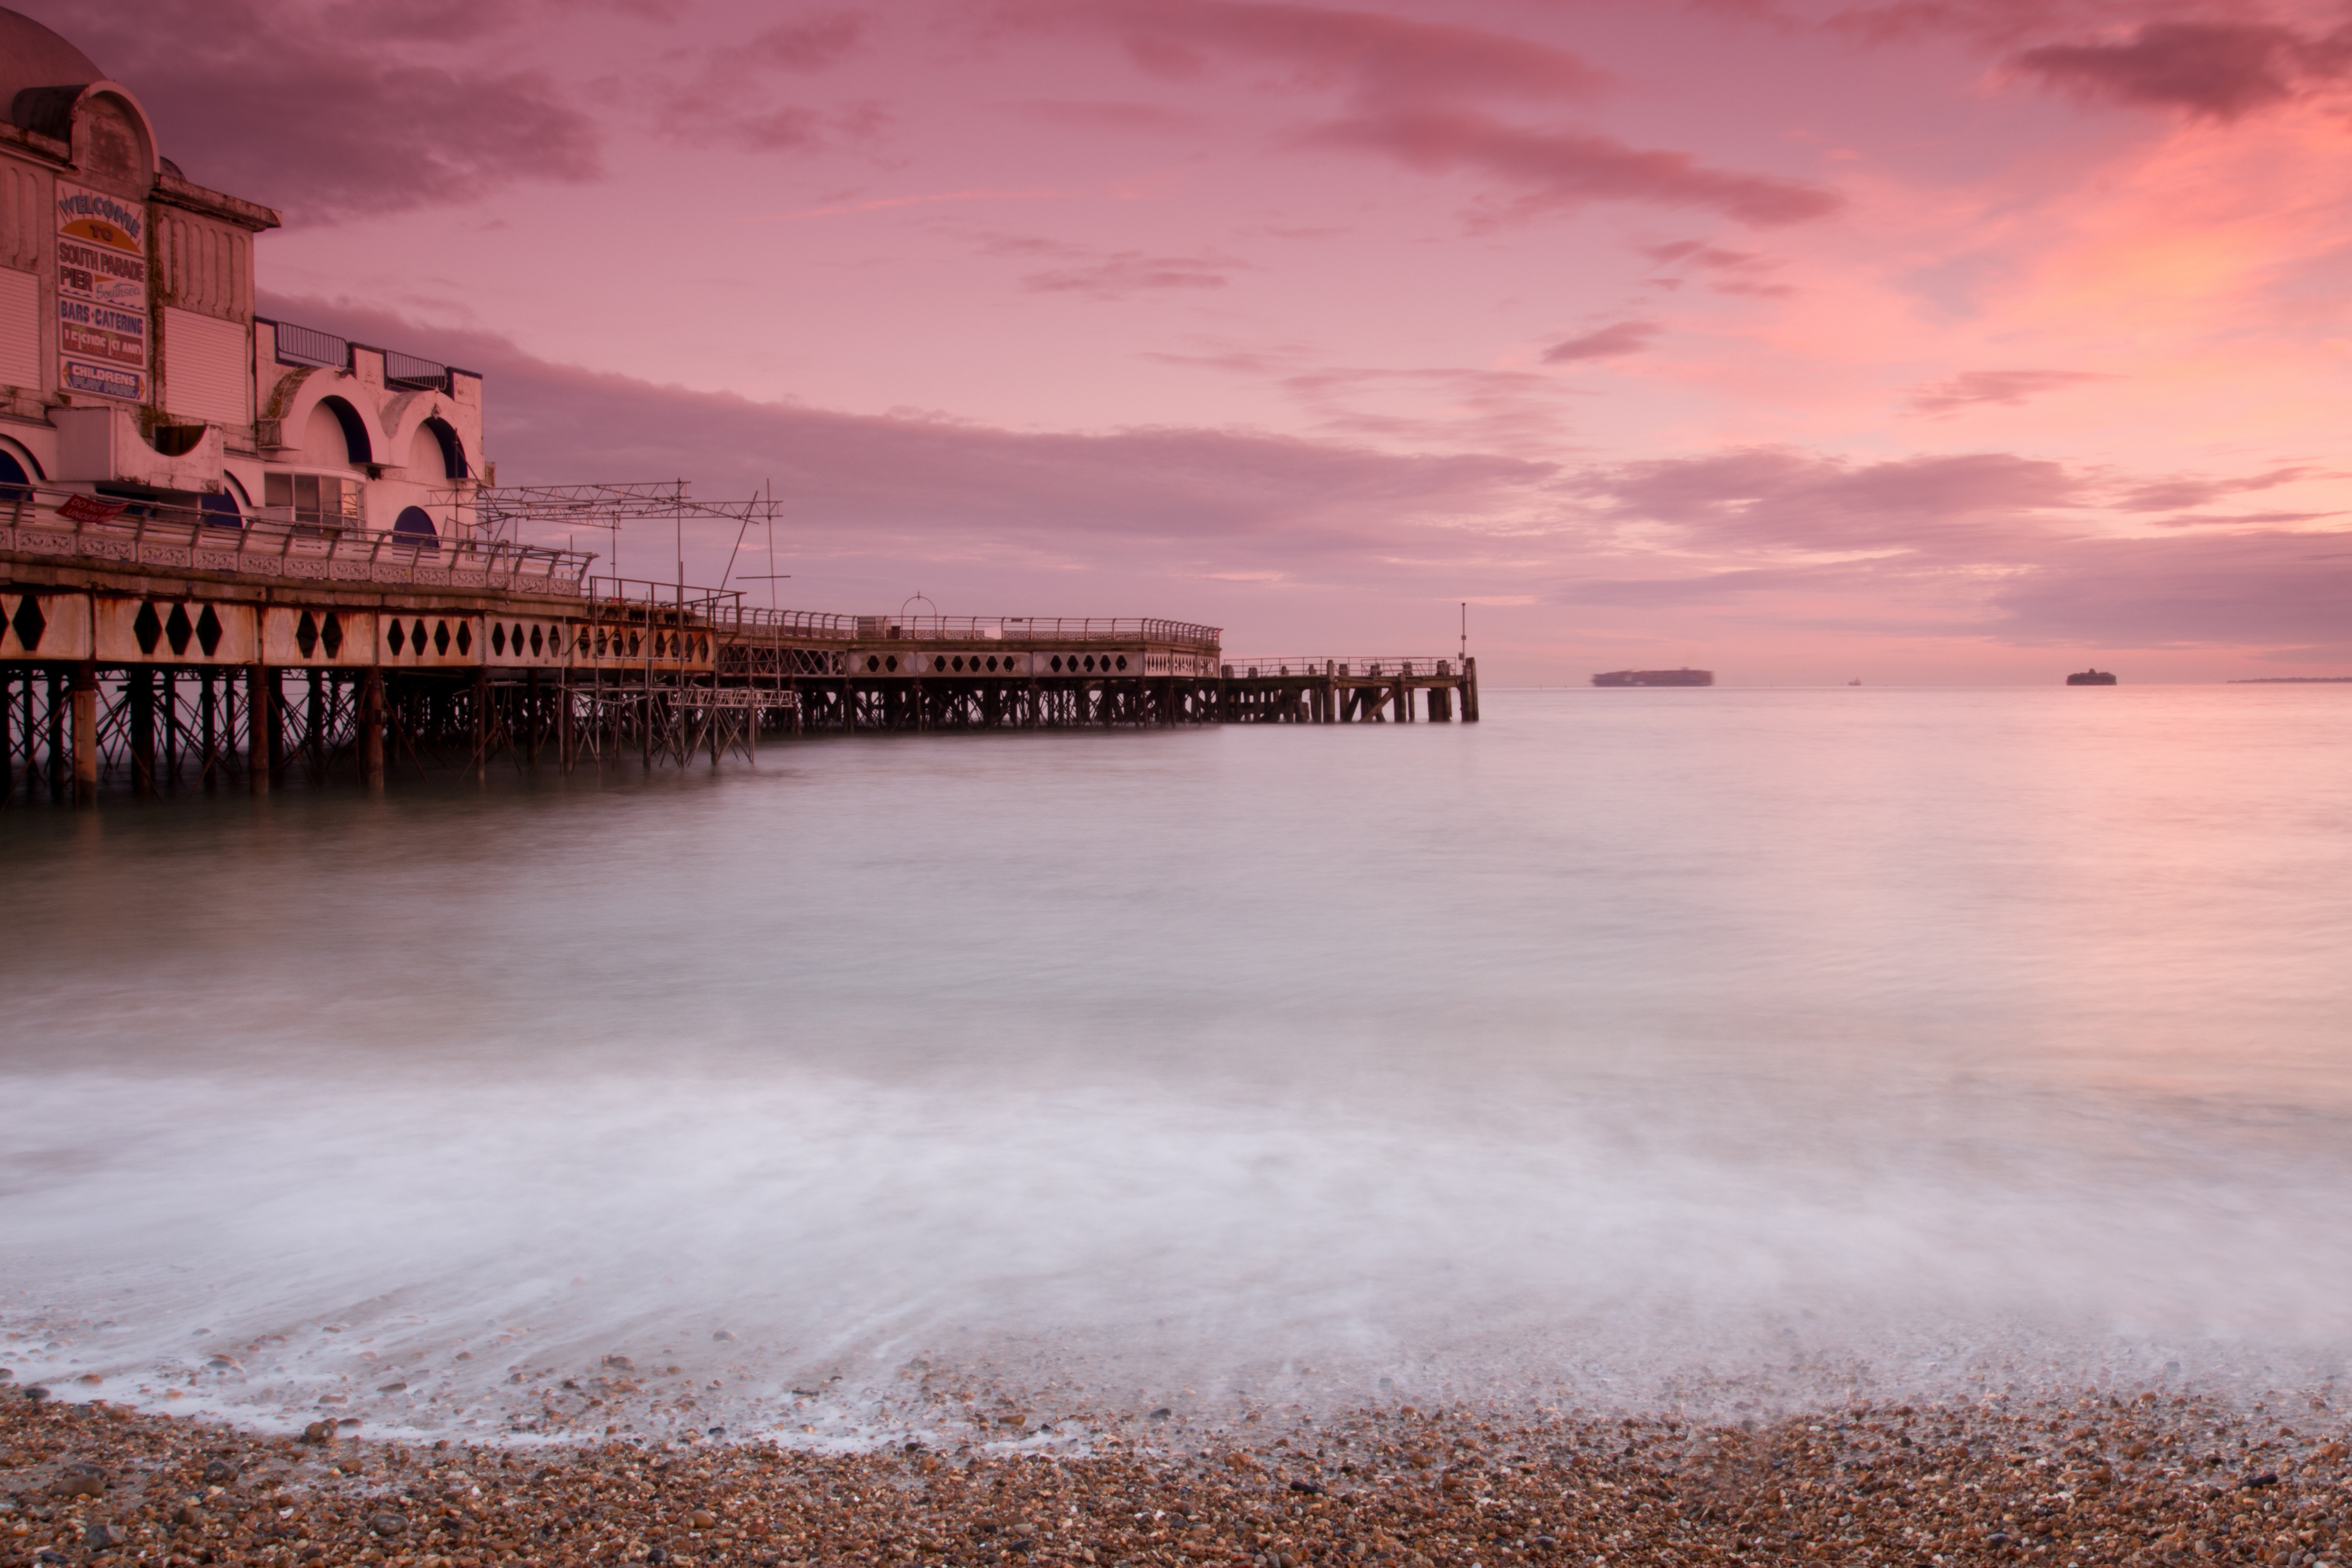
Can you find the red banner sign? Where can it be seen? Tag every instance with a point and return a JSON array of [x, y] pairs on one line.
[[90, 508]]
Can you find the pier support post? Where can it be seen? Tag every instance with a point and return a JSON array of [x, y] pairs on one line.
[[371, 726], [1469, 691], [139, 685], [57, 759], [208, 731], [168, 680], [85, 734], [482, 725], [260, 728]]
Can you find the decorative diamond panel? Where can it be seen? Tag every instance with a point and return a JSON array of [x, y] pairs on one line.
[[29, 623], [441, 637], [178, 629], [498, 638], [396, 638], [147, 626], [306, 634], [331, 636], [465, 637], [208, 631]]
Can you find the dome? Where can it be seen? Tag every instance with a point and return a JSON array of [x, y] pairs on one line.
[[32, 56]]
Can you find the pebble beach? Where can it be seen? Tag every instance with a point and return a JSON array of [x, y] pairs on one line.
[[2100, 1476]]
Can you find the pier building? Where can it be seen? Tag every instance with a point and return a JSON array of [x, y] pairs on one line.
[[236, 550]]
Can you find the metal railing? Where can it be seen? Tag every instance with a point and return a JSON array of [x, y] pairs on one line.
[[325, 351], [779, 626], [148, 534], [1359, 667], [974, 628], [413, 374], [308, 345]]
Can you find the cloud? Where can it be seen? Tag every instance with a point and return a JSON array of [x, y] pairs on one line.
[[2259, 588], [1364, 52], [1773, 497], [2220, 70], [1424, 94], [1728, 271], [2008, 388], [1553, 171], [913, 487], [1088, 115], [700, 117], [1128, 272], [1993, 546], [1606, 343], [725, 105], [812, 44], [2184, 492], [278, 107]]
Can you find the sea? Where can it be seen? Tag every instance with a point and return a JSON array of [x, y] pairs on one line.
[[1718, 1052]]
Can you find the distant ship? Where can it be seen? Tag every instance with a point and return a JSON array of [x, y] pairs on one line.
[[2092, 678], [1656, 677]]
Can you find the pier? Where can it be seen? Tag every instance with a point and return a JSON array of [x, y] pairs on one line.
[[160, 649]]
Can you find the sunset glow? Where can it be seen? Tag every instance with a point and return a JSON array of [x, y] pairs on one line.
[[1913, 342]]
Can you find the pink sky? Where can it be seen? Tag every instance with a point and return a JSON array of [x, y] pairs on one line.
[[1917, 342]]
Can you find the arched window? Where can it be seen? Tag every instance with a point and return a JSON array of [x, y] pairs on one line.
[[416, 524], [436, 452], [221, 510], [15, 482], [336, 435]]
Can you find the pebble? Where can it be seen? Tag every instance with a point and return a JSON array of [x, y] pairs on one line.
[[2017, 1481]]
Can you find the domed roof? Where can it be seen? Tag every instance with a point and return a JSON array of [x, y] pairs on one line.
[[32, 56]]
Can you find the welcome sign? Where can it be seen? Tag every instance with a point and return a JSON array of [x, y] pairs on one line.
[[102, 318]]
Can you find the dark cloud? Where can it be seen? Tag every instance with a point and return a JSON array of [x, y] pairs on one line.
[[2261, 588], [1606, 343], [277, 106], [2185, 492], [1365, 52], [1187, 503], [1424, 94], [2005, 387], [1553, 171], [1784, 498], [1991, 545], [2218, 70]]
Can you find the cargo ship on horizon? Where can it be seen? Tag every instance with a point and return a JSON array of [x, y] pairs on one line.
[[1656, 677]]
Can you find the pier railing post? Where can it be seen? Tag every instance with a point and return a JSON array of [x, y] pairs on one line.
[[1469, 691]]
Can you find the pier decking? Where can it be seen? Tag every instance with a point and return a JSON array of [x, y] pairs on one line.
[[161, 649]]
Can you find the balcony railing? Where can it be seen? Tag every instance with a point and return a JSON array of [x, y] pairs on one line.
[[309, 345], [146, 533]]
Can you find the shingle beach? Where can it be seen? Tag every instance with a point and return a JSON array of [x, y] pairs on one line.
[[2119, 1476]]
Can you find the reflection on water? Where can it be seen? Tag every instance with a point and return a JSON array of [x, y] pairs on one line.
[[1700, 1047]]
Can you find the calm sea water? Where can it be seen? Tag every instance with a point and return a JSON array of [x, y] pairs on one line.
[[1712, 1048]]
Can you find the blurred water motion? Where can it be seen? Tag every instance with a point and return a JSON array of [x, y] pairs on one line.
[[1709, 1047]]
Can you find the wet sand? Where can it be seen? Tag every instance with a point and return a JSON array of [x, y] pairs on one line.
[[2121, 1477]]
